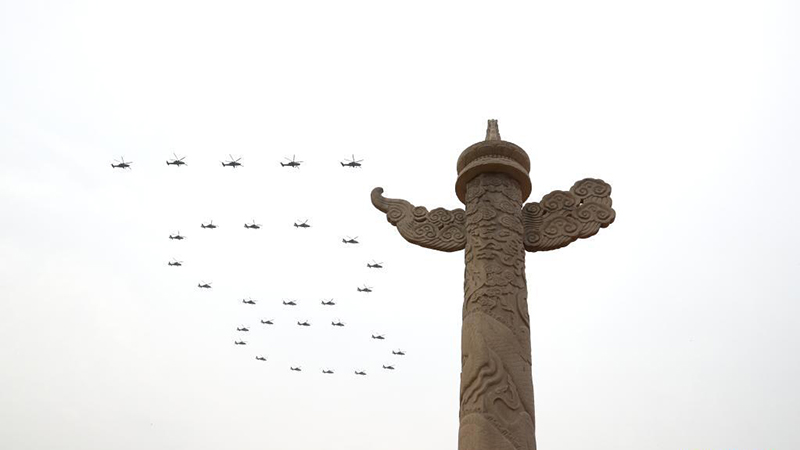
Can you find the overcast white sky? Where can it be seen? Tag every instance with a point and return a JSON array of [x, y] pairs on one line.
[[675, 328]]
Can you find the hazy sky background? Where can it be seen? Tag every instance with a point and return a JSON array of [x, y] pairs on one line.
[[675, 328]]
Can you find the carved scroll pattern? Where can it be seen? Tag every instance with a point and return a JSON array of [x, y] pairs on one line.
[[495, 376], [439, 229], [562, 217]]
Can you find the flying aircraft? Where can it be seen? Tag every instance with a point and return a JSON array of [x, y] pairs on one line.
[[121, 164], [327, 371], [175, 262], [253, 226], [296, 369], [338, 323], [249, 301], [375, 265], [292, 163], [304, 324], [360, 372], [210, 225], [398, 352], [242, 329], [378, 336], [204, 285], [352, 162], [350, 240], [261, 358], [267, 322], [177, 236], [328, 303], [240, 342], [304, 224], [364, 289], [232, 163], [177, 161], [290, 303], [388, 367]]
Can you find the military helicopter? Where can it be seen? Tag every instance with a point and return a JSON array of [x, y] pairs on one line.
[[338, 323], [253, 226], [352, 162], [209, 226], [350, 240], [290, 303], [398, 352], [364, 289], [292, 163], [328, 303], [261, 358], [204, 285], [249, 301], [267, 322], [302, 225], [242, 329], [177, 236], [240, 342], [175, 262], [232, 163], [327, 371], [296, 369], [388, 367], [378, 336], [304, 324], [177, 161], [121, 164], [360, 372], [375, 265]]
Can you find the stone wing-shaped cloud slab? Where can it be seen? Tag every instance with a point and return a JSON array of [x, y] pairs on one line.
[[562, 217], [439, 229]]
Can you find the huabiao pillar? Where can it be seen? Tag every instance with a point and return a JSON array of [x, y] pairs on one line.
[[495, 230]]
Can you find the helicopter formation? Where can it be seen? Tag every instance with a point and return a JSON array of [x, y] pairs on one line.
[[234, 162]]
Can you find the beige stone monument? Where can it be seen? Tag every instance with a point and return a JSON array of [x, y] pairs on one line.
[[496, 411]]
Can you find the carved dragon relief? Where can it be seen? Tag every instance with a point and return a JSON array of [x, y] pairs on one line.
[[438, 229], [562, 217]]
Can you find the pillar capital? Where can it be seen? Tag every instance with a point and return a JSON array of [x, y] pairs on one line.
[[493, 155]]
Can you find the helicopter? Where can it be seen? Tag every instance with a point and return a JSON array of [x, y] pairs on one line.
[[204, 285], [261, 358], [327, 371], [328, 303], [390, 367], [352, 162], [232, 163], [338, 323], [253, 226], [175, 262], [302, 225], [242, 329], [292, 163], [121, 164], [350, 240], [378, 336], [360, 372], [267, 322], [364, 289], [290, 303], [177, 236], [177, 161], [249, 301], [296, 369], [240, 342], [304, 324], [375, 265], [398, 352], [209, 226]]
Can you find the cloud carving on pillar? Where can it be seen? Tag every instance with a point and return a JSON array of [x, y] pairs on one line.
[[562, 217], [438, 229]]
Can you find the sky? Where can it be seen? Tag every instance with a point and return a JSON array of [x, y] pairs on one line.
[[674, 328]]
